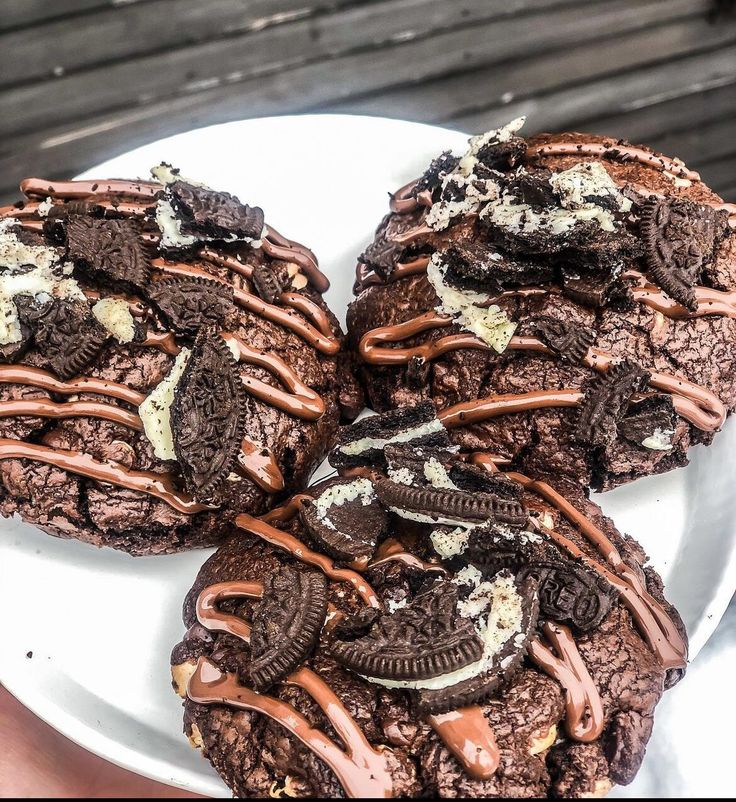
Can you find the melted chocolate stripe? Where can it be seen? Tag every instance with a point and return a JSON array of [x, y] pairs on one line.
[[301, 401], [260, 466], [292, 545], [159, 485], [23, 374], [468, 735], [327, 345], [362, 771], [73, 190], [392, 551], [214, 619], [43, 408], [622, 153], [584, 716], [403, 202]]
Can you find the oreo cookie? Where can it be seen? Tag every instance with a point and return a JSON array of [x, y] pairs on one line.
[[680, 241], [267, 283], [606, 401], [66, 333], [594, 287], [382, 255], [286, 625], [209, 214], [362, 443], [208, 415], [568, 340], [431, 178], [187, 303], [111, 249], [346, 519], [423, 640], [650, 423]]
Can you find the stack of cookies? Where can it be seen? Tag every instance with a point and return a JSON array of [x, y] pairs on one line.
[[448, 614]]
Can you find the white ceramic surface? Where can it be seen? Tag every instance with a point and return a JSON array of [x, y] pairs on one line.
[[101, 624]]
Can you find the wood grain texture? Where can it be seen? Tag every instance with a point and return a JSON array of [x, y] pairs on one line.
[[649, 70]]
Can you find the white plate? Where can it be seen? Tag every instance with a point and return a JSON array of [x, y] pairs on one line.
[[101, 624]]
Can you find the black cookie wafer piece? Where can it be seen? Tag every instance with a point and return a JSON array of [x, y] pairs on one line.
[[382, 255], [348, 528], [286, 625], [187, 303], [111, 249], [439, 167], [423, 640], [648, 417], [362, 443], [504, 663], [595, 287], [207, 213], [606, 401], [66, 333], [568, 340], [266, 282], [680, 241], [208, 415]]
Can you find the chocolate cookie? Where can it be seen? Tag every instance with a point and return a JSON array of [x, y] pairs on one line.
[[510, 284], [166, 359], [420, 645]]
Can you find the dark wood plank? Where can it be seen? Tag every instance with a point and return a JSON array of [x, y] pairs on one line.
[[17, 13], [434, 48], [124, 30], [499, 84], [571, 106], [131, 30]]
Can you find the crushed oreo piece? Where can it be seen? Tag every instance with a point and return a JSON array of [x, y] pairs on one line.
[[533, 189], [188, 303], [648, 418], [448, 505], [502, 155], [432, 177], [54, 224], [505, 662], [423, 640], [593, 287], [474, 479], [66, 333], [346, 520], [418, 373], [680, 241], [208, 415], [287, 622], [219, 215], [266, 283], [362, 443], [606, 400], [382, 255], [568, 340], [110, 248], [482, 267]]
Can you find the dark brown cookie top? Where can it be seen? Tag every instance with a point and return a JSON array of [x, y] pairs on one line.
[[478, 656], [512, 279], [163, 354]]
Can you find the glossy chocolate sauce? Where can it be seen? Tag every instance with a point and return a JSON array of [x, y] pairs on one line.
[[260, 466], [468, 735]]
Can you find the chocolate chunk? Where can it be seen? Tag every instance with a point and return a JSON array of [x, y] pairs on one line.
[[66, 333], [362, 443], [208, 415], [266, 282], [206, 213], [447, 505], [382, 255], [680, 240], [502, 155], [190, 302], [286, 624], [346, 520], [645, 419], [423, 640], [504, 663], [483, 267], [606, 400], [432, 177], [568, 340], [593, 287], [109, 248], [569, 593]]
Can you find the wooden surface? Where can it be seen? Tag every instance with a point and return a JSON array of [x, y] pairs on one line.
[[83, 80]]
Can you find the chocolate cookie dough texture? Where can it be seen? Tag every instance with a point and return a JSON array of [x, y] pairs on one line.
[[166, 358], [567, 301], [426, 625]]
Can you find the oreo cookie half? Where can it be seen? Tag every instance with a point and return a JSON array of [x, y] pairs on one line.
[[208, 415], [206, 213], [286, 624], [362, 443], [189, 303], [346, 519]]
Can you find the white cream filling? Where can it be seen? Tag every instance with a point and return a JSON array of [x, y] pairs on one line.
[[449, 544], [414, 433], [491, 324], [402, 476], [503, 622], [338, 495], [436, 474], [114, 314], [155, 411], [659, 440], [15, 254], [45, 207]]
